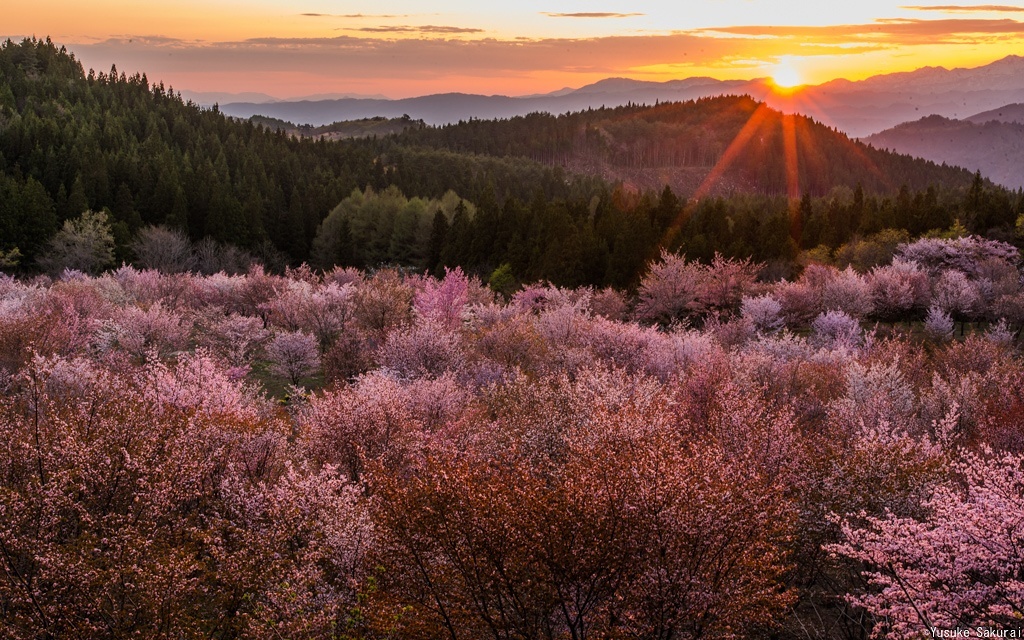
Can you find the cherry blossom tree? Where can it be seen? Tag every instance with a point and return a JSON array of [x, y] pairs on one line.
[[836, 329], [378, 419], [425, 349], [849, 292], [898, 289], [582, 514], [725, 281], [965, 254], [138, 331], [233, 337], [382, 303], [959, 566], [442, 301], [956, 295], [938, 324], [765, 312], [670, 290], [157, 500], [609, 303], [293, 355], [321, 310], [801, 302]]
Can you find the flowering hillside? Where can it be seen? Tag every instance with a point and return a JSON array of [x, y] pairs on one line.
[[391, 455]]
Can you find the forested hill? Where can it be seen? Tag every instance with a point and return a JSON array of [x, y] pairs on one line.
[[71, 141], [680, 144], [523, 202]]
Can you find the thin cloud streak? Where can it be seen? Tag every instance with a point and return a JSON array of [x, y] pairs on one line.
[[895, 31], [356, 16], [413, 29], [591, 14], [959, 8]]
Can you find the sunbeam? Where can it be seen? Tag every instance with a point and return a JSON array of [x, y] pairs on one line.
[[753, 123], [791, 160]]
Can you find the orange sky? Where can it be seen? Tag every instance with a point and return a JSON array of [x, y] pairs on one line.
[[406, 48]]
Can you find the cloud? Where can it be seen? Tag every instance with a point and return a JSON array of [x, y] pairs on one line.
[[356, 16], [586, 14], [151, 41], [350, 56], [958, 8], [412, 29], [893, 31], [424, 61]]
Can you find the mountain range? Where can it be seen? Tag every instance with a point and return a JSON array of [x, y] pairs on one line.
[[858, 108], [990, 142]]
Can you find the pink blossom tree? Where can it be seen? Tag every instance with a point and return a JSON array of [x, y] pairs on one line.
[[955, 294], [427, 348], [725, 281], [235, 338], [293, 355], [938, 324], [836, 329], [129, 507], [765, 312], [442, 301], [670, 290], [848, 291], [957, 567], [965, 254], [898, 289]]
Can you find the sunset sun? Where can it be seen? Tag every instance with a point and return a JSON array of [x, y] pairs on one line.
[[786, 76]]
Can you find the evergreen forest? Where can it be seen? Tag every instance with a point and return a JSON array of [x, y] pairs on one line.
[[578, 199]]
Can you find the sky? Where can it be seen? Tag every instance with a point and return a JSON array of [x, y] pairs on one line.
[[402, 48]]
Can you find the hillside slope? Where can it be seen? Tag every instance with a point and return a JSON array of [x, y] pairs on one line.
[[719, 145]]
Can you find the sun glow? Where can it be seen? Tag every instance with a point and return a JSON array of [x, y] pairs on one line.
[[785, 75]]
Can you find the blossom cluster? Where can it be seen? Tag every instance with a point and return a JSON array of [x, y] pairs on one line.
[[383, 455]]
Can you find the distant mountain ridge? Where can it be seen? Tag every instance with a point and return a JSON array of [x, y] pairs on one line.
[[881, 102], [210, 98], [858, 108], [1008, 113], [981, 142], [448, 108]]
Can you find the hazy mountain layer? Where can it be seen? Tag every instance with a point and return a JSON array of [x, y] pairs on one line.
[[1007, 113], [980, 144], [857, 108]]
